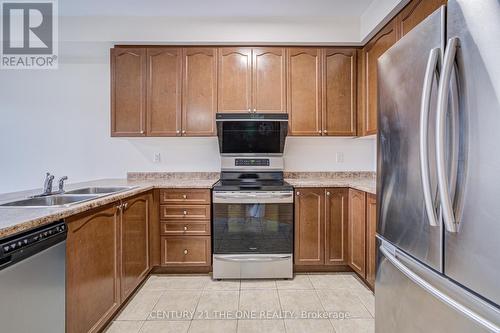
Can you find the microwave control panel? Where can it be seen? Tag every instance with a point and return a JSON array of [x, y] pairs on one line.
[[251, 162]]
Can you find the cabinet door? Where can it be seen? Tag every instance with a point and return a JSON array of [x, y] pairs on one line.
[[336, 223], [414, 13], [128, 92], [235, 79], [92, 270], [269, 76], [304, 91], [164, 91], [371, 231], [134, 243], [309, 226], [339, 92], [372, 51], [199, 103], [357, 231]]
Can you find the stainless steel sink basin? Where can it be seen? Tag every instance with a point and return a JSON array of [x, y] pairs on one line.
[[100, 190], [61, 200]]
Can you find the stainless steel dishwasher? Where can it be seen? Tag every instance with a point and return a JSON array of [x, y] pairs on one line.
[[33, 280]]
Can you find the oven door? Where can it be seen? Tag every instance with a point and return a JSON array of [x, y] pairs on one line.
[[253, 222]]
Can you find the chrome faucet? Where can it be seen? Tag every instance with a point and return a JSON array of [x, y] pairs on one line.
[[47, 186], [61, 184]]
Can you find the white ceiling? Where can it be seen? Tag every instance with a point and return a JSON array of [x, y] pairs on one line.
[[214, 8]]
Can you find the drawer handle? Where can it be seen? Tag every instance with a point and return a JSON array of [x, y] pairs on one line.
[[185, 228], [185, 212], [184, 196], [186, 251]]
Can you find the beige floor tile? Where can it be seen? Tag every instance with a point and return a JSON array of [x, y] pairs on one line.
[[258, 284], [165, 327], [124, 327], [299, 300], [343, 301], [299, 282], [140, 306], [217, 304], [223, 285], [261, 326], [176, 305], [213, 326], [354, 326], [259, 300], [368, 300], [166, 282], [353, 282], [308, 326], [329, 281]]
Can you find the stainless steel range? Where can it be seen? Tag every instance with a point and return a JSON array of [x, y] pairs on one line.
[[252, 204]]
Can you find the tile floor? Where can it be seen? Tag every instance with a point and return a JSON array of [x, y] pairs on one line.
[[315, 303]]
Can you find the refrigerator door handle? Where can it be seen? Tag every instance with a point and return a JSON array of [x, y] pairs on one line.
[[432, 64], [442, 104], [391, 255]]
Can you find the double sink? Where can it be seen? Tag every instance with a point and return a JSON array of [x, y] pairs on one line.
[[67, 198]]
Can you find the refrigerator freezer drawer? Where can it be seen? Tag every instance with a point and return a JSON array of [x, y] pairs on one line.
[[411, 298]]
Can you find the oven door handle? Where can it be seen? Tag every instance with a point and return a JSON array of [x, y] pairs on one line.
[[255, 259]]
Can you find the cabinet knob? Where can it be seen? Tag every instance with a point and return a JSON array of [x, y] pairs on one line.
[[125, 205], [325, 131], [184, 196], [183, 131], [254, 110], [327, 193], [298, 193], [250, 110], [178, 131], [319, 131], [142, 131], [186, 251], [185, 228], [185, 212], [119, 207]]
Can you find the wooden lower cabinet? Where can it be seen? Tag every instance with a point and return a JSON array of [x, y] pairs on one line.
[[321, 217], [371, 242], [92, 266], [107, 257], [134, 243], [357, 231], [185, 250]]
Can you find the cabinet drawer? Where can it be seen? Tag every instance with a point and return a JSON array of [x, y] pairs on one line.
[[185, 212], [185, 228], [185, 196], [185, 251]]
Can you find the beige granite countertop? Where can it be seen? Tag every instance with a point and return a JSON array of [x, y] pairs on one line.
[[17, 219], [363, 181]]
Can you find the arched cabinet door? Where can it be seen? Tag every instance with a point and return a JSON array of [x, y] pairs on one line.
[[309, 226], [235, 79], [134, 242], [339, 92], [128, 92], [304, 91], [268, 79]]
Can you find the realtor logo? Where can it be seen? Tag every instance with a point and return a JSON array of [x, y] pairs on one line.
[[29, 35]]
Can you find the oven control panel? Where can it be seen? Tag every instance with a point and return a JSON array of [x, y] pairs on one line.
[[251, 162]]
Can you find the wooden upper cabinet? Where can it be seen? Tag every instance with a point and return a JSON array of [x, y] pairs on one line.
[[199, 103], [268, 79], [134, 243], [372, 51], [164, 91], [357, 231], [304, 91], [414, 13], [128, 92], [235, 79], [309, 226], [336, 224], [92, 267], [339, 92], [371, 241]]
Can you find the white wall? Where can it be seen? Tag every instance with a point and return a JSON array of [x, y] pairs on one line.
[[59, 120]]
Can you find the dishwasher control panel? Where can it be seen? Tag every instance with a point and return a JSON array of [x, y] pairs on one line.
[[19, 242]]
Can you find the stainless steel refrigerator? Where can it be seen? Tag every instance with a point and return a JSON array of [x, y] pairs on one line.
[[439, 174]]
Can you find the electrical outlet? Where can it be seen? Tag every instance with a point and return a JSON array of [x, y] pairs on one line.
[[339, 157], [156, 158]]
